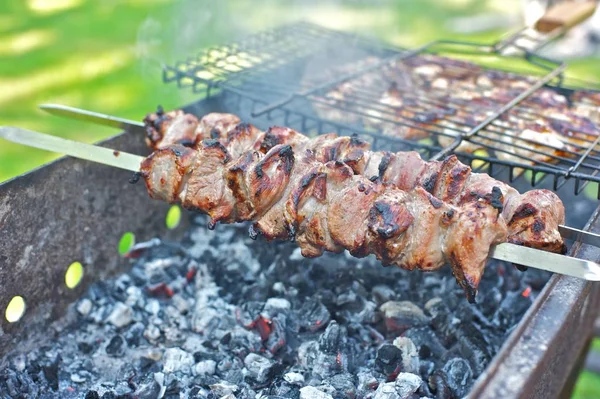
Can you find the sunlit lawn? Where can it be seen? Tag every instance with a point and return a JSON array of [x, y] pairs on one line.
[[106, 56]]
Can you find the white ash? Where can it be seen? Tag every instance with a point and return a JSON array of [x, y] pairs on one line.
[[121, 315], [309, 392], [218, 315]]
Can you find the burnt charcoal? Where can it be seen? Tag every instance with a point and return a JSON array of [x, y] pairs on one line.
[[109, 395], [150, 390], [92, 395], [344, 385], [388, 360], [134, 334], [313, 315], [219, 317], [459, 376], [512, 309], [287, 392], [277, 339], [536, 278], [426, 341], [475, 351], [489, 301], [406, 384], [333, 339], [439, 385], [51, 370], [309, 392], [249, 312], [259, 368], [116, 346], [85, 347]]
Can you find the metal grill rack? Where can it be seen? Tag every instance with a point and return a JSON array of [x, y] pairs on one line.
[[296, 73]]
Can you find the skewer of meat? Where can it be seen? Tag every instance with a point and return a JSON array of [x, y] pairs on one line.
[[532, 218], [266, 188]]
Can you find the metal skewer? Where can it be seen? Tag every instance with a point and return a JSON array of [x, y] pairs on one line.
[[556, 263]]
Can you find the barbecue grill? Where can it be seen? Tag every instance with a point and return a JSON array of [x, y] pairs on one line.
[[47, 222]]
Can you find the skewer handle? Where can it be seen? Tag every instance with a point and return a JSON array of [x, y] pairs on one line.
[[565, 15]]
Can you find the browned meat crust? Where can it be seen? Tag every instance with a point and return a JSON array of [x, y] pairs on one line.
[[330, 193]]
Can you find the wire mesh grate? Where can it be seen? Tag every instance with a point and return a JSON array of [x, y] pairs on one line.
[[445, 97]]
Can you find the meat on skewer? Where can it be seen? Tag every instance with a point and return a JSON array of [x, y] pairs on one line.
[[532, 218], [290, 185]]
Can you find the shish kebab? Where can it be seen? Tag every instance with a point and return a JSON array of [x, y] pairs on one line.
[[325, 205]]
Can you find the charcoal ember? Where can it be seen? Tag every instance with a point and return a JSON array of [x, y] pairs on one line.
[[309, 392], [248, 313], [259, 368], [344, 385], [240, 341], [438, 384], [274, 306], [426, 341], [388, 360], [277, 339], [512, 309], [366, 383], [459, 376], [400, 316], [175, 359], [116, 346], [333, 338], [313, 315]]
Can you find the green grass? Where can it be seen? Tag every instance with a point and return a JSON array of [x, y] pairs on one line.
[[106, 56]]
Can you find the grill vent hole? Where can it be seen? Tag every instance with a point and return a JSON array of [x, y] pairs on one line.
[[74, 275], [173, 217], [126, 243], [15, 309]]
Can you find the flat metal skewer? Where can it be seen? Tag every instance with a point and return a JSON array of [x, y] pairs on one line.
[[535, 258]]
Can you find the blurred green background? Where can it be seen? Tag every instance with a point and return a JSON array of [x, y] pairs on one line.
[[106, 55]]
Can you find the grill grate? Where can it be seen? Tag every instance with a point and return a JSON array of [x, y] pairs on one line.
[[497, 120]]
